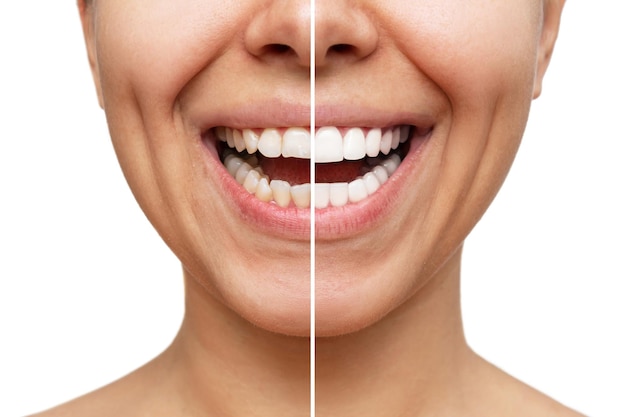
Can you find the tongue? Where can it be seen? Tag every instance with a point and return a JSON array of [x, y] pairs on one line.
[[297, 171]]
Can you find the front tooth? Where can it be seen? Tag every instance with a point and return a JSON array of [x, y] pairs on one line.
[[339, 194], [270, 143], [385, 141], [251, 140], [281, 191], [296, 143], [322, 195], [301, 195], [328, 145], [372, 142], [357, 190], [354, 144]]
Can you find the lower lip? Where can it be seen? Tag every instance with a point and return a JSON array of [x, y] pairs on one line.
[[292, 223]]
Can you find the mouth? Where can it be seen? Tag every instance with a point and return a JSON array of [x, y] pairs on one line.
[[351, 163]]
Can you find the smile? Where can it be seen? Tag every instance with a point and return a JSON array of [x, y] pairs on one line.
[[351, 163]]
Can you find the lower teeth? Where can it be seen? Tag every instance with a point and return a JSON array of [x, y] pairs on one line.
[[247, 172]]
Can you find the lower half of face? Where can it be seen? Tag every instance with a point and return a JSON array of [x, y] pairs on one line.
[[419, 114]]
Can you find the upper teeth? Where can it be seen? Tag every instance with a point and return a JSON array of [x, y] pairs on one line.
[[330, 145]]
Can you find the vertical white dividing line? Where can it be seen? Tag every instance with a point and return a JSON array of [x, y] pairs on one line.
[[312, 208]]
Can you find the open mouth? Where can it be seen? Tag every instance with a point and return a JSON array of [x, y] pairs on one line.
[[273, 164]]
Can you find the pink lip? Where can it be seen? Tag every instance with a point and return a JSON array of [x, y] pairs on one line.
[[292, 223]]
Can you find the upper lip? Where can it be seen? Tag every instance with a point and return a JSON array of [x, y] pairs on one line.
[[276, 113]]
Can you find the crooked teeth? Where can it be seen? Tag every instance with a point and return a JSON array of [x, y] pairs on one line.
[[249, 174], [330, 145]]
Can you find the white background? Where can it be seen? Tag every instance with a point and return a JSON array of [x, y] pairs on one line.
[[88, 292]]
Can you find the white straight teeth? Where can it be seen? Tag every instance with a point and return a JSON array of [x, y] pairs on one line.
[[330, 145]]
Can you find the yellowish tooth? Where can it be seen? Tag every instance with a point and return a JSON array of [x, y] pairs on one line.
[[251, 181], [232, 164], [238, 139], [251, 140], [296, 143], [281, 191], [242, 172], [270, 143], [230, 140], [301, 195], [263, 190]]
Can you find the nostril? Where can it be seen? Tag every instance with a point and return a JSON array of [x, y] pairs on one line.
[[278, 49], [342, 48]]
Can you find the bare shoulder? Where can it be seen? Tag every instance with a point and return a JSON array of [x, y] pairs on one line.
[[511, 397], [137, 394]]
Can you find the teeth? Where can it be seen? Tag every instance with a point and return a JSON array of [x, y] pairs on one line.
[[330, 145], [322, 195], [270, 143], [338, 194], [251, 140], [372, 142], [249, 174], [301, 195], [281, 192], [356, 144], [297, 143]]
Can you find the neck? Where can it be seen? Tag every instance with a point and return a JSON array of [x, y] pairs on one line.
[[229, 367], [408, 363]]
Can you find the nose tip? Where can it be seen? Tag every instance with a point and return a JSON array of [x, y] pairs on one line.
[[343, 33], [282, 33]]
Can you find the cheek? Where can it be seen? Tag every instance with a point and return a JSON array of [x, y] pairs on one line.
[[152, 49], [475, 51]]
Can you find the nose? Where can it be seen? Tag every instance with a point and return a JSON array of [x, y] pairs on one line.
[[282, 33], [343, 33]]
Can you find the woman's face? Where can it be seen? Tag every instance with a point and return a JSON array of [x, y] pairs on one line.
[[455, 79]]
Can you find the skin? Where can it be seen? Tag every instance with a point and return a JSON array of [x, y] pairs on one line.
[[390, 337]]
